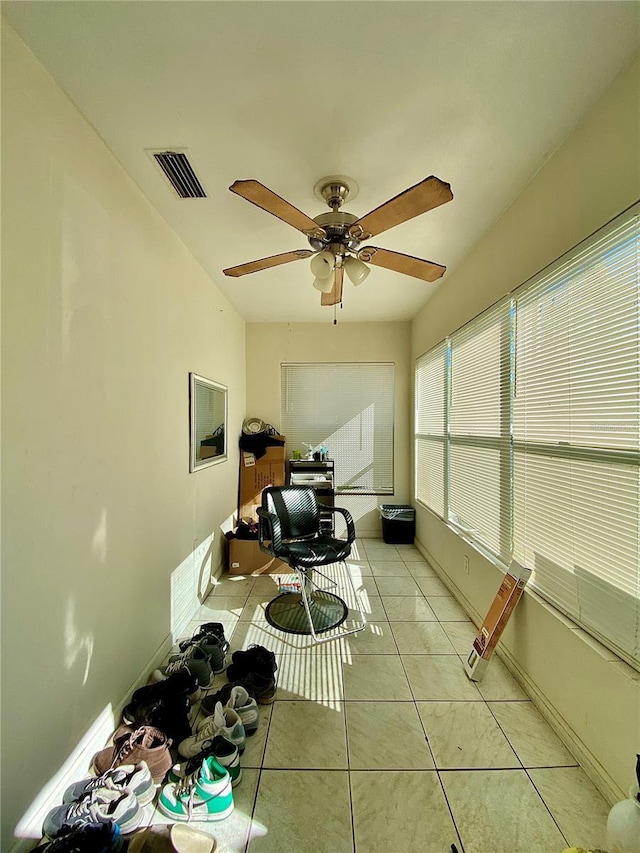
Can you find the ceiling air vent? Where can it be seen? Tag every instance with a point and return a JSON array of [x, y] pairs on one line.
[[180, 174]]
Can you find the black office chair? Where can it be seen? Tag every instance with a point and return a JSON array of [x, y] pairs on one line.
[[290, 529]]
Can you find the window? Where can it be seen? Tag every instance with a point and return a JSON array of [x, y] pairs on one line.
[[430, 420], [538, 433], [479, 432], [348, 407]]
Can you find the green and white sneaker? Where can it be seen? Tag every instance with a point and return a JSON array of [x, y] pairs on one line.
[[203, 795]]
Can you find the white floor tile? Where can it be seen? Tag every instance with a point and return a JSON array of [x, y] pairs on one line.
[[386, 736], [579, 809], [435, 677], [401, 811], [500, 811], [302, 810], [465, 735], [533, 739]]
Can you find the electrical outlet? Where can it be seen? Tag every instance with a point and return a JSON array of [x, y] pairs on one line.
[[466, 565]]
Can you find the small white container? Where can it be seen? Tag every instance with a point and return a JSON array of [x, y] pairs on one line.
[[623, 825]]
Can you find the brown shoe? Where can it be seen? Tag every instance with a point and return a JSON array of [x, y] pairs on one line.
[[144, 744]]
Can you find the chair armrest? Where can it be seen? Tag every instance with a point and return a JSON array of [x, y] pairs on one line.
[[351, 530], [269, 532]]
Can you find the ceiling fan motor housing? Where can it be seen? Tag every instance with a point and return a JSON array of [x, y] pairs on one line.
[[336, 224]]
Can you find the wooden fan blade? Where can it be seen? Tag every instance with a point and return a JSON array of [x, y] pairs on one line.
[[335, 294], [407, 264], [430, 193], [266, 199], [265, 263]]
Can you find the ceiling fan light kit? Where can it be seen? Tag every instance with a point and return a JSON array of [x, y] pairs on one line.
[[324, 285], [322, 264], [356, 270], [335, 237]]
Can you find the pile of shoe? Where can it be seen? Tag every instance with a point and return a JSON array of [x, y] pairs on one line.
[[232, 712], [98, 810], [165, 704], [201, 787]]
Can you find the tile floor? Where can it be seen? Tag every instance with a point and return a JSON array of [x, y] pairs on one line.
[[379, 742]]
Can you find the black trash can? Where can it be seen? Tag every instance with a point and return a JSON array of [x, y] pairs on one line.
[[398, 524]]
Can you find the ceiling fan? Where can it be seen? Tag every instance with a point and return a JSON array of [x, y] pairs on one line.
[[336, 237]]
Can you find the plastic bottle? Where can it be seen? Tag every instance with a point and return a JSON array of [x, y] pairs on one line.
[[623, 823]]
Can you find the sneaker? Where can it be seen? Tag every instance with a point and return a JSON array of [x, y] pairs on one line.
[[203, 795], [85, 838], [171, 838], [146, 744], [102, 805], [260, 688], [135, 777], [242, 703], [226, 754], [171, 716], [180, 683], [225, 722], [195, 660], [213, 647], [216, 628], [207, 629], [254, 659]]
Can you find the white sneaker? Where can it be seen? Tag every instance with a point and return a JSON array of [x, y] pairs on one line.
[[245, 707], [225, 722]]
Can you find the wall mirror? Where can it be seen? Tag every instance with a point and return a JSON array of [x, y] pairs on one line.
[[208, 422]]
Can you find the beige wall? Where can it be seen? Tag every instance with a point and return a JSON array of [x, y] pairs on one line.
[[271, 344], [104, 313], [592, 698]]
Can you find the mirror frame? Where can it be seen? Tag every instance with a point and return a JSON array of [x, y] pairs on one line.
[[196, 463]]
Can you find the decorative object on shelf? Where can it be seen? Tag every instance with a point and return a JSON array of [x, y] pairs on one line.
[[207, 422], [251, 426]]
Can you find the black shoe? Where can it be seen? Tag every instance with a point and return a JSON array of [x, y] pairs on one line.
[[176, 685], [206, 629], [86, 838], [171, 716], [256, 659], [259, 687]]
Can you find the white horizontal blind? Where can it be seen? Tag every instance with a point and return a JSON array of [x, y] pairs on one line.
[[430, 428], [348, 407], [479, 430], [576, 433]]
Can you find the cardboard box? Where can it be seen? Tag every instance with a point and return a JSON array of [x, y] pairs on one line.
[[258, 474], [246, 558], [497, 617]]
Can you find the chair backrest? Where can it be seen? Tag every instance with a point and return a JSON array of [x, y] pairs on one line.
[[296, 508]]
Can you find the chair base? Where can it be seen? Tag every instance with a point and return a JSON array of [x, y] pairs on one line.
[[287, 612]]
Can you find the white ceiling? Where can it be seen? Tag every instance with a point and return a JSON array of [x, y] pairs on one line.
[[477, 93]]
